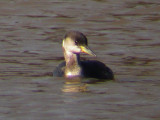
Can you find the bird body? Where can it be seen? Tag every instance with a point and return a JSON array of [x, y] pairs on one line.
[[90, 69]]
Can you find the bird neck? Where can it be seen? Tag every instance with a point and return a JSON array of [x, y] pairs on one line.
[[72, 64]]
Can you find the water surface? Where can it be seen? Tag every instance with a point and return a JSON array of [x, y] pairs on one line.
[[124, 35]]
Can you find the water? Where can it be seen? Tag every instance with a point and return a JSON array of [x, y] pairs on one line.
[[123, 34]]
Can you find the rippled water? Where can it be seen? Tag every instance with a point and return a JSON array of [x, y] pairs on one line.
[[124, 35]]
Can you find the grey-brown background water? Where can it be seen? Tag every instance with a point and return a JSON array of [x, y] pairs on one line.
[[124, 35]]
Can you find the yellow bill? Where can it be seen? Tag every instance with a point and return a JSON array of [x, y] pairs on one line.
[[86, 49]]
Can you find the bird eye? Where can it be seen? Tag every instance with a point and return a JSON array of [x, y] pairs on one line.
[[76, 42]]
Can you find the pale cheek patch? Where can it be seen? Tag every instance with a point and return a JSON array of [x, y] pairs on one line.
[[76, 49], [73, 49], [70, 46]]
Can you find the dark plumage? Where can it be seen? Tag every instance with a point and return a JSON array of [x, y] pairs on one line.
[[90, 69], [73, 44]]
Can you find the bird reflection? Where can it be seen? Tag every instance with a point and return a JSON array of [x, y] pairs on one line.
[[74, 84]]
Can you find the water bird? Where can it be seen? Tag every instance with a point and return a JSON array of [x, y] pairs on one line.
[[73, 44]]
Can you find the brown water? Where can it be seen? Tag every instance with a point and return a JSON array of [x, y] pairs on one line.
[[124, 34]]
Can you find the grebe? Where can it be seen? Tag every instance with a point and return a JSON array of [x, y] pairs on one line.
[[74, 43]]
